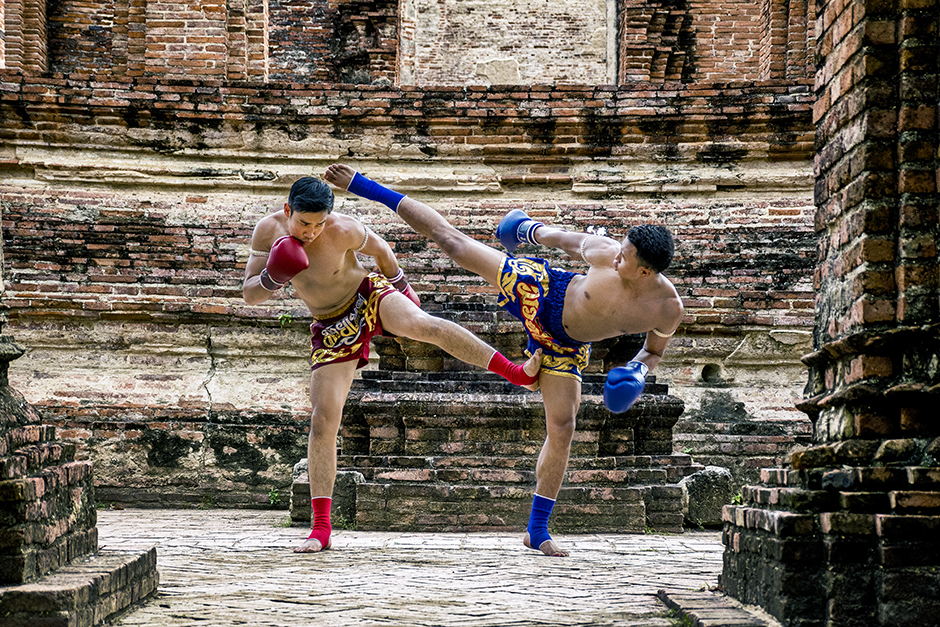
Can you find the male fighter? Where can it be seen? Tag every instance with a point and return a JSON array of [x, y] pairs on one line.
[[315, 249], [623, 292]]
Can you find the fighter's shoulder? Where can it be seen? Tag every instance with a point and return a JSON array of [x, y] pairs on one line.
[[605, 250], [672, 303], [341, 220], [269, 227], [341, 224]]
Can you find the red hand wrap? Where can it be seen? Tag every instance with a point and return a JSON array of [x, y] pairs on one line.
[[401, 284]]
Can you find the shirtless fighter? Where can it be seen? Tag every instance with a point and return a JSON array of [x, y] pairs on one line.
[[623, 292], [315, 249]]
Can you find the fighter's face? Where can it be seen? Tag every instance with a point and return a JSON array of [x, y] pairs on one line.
[[305, 226], [626, 263]]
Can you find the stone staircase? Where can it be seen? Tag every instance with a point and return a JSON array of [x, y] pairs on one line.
[[456, 451]]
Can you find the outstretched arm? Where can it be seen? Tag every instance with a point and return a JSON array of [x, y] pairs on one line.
[[625, 383], [595, 250]]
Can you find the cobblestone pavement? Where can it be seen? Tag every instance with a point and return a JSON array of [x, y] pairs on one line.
[[236, 567]]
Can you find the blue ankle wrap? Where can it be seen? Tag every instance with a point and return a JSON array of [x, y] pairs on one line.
[[538, 520], [370, 190]]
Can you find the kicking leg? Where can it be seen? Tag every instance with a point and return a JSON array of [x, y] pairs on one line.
[[561, 397], [467, 252], [329, 387], [402, 317]]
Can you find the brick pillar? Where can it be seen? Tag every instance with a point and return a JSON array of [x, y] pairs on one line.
[[25, 44], [785, 45], [849, 533], [256, 31], [47, 498], [247, 43]]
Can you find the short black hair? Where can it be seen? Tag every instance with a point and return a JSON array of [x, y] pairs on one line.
[[653, 244], [310, 195]]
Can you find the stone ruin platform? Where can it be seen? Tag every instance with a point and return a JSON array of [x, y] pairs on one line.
[[51, 571], [456, 451]]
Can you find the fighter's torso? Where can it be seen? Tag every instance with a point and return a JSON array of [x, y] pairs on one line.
[[334, 273], [601, 305]]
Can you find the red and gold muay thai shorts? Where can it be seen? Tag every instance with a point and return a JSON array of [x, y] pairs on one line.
[[345, 334], [534, 292]]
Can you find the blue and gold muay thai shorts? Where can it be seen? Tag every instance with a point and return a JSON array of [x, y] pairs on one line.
[[345, 334], [534, 292]]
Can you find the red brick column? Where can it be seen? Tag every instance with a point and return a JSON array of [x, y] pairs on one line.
[[247, 33], [47, 498], [848, 534], [786, 46], [24, 35]]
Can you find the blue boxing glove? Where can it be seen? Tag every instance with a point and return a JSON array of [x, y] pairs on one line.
[[624, 385], [515, 228]]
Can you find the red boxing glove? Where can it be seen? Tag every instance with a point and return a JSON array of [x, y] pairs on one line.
[[287, 259], [401, 284]]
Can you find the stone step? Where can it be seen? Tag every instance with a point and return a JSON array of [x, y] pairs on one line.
[[445, 508], [419, 423], [17, 437], [503, 476], [364, 462], [597, 499], [456, 450], [29, 460], [89, 591], [469, 382]]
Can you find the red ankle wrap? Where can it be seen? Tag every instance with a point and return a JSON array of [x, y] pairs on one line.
[[509, 371], [321, 520]]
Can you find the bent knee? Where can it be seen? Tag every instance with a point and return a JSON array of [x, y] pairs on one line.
[[323, 425], [561, 430]]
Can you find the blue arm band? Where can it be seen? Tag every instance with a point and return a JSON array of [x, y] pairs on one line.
[[370, 190]]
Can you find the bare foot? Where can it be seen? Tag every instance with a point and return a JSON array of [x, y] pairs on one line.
[[532, 368], [548, 547], [339, 175], [312, 545]]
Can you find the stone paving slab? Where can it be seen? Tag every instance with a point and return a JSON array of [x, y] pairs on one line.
[[236, 567], [708, 608]]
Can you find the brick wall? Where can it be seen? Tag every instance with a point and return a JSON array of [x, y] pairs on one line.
[[417, 42], [128, 198], [482, 43]]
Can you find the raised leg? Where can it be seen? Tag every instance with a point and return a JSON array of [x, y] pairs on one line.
[[401, 317], [467, 252]]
